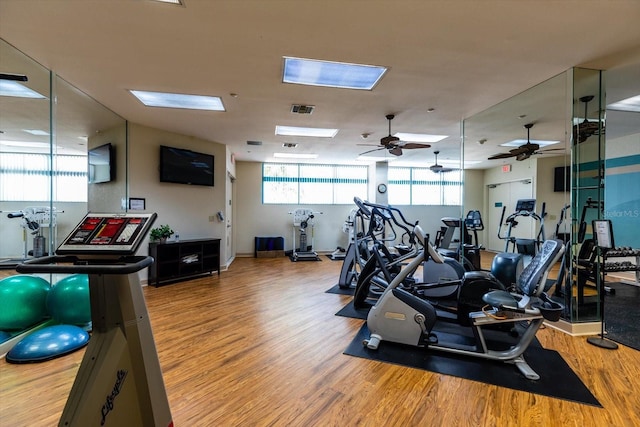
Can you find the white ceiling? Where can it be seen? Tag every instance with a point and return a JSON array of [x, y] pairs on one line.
[[458, 57]]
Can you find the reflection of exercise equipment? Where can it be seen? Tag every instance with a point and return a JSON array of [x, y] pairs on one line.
[[524, 246], [119, 381], [470, 246], [34, 218], [603, 234], [303, 219], [402, 317]]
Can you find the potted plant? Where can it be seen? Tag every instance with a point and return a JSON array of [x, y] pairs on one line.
[[160, 234]]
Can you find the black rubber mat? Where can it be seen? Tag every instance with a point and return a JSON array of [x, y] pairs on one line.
[[556, 377], [622, 314], [340, 291]]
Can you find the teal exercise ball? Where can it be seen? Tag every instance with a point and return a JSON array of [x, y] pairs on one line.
[[68, 302], [23, 301]]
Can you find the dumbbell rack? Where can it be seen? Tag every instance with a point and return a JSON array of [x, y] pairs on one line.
[[620, 266]]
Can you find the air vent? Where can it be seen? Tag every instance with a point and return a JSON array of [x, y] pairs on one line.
[[302, 109], [254, 142], [289, 145]]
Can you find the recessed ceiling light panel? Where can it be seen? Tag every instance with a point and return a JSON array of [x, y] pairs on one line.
[[314, 72], [17, 90], [419, 137], [630, 104], [294, 156], [302, 131], [178, 100], [519, 142]]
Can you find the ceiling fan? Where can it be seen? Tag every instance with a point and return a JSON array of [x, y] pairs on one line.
[[393, 143], [585, 129], [524, 151], [436, 168]]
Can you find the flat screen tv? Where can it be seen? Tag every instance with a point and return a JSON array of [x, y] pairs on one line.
[[182, 166], [561, 179], [102, 164]]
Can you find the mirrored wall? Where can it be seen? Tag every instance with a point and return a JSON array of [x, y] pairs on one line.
[[48, 127]]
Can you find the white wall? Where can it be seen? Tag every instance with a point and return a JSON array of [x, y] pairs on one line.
[[257, 220]]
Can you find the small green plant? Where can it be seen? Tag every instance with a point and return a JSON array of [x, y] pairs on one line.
[[160, 233]]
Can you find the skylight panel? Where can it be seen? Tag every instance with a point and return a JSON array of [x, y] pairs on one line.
[[303, 131], [178, 100], [18, 90], [419, 137], [314, 72]]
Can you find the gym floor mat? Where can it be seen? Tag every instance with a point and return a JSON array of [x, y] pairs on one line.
[[622, 314], [556, 377], [336, 289]]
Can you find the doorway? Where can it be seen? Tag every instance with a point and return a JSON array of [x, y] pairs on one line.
[[502, 195]]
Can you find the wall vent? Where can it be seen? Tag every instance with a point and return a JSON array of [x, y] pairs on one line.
[[302, 109], [289, 145], [254, 142]]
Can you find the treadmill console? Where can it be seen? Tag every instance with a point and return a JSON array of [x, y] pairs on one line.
[[526, 205], [108, 234]]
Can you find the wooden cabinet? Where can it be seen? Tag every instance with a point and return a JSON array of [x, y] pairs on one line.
[[175, 261]]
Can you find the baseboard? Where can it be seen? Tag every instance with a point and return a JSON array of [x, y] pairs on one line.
[[576, 329]]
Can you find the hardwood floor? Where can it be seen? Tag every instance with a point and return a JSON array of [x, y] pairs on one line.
[[261, 346]]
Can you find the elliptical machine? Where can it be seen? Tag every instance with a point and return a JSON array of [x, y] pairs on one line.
[[402, 317]]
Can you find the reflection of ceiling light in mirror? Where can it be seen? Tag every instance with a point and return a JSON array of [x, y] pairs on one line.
[[630, 104], [15, 89], [294, 156], [36, 132], [519, 142], [25, 144], [179, 100], [331, 74], [170, 1], [301, 131], [419, 137]]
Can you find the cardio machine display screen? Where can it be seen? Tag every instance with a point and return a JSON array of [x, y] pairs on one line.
[[119, 234]]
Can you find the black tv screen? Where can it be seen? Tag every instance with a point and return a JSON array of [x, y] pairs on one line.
[[182, 166], [561, 179], [102, 164]]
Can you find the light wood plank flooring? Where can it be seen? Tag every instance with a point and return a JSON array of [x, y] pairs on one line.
[[261, 346]]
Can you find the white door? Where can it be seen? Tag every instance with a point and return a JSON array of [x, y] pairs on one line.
[[507, 194], [228, 241]]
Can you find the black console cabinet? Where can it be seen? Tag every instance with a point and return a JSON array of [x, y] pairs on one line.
[[176, 261]]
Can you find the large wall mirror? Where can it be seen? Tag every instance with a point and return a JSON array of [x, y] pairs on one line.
[[586, 172], [47, 129]]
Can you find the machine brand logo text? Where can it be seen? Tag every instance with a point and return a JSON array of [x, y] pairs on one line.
[[108, 404]]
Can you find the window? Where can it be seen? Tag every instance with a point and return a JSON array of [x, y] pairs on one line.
[[287, 183], [25, 177], [421, 186]]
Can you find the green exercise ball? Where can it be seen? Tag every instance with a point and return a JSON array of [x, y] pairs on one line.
[[23, 301], [68, 302]]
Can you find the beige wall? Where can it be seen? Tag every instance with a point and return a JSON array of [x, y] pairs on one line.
[[186, 208]]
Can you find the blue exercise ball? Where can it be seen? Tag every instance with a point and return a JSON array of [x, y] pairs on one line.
[[68, 301], [47, 343], [23, 301]]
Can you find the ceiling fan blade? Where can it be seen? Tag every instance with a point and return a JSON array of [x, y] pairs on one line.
[[396, 151], [413, 145], [502, 156], [371, 151]]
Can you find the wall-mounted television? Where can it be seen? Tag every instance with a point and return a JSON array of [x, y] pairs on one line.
[[102, 164], [561, 179], [182, 166]]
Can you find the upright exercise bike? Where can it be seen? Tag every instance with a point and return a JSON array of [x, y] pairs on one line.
[[119, 382]]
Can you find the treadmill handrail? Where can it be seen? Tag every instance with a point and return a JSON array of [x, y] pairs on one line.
[[73, 264]]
